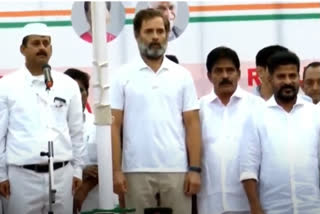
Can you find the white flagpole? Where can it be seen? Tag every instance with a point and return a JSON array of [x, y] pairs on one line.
[[102, 109]]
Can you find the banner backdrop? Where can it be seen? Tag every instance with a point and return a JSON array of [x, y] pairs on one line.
[[245, 26]]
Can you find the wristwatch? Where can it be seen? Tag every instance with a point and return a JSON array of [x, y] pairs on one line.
[[194, 169]]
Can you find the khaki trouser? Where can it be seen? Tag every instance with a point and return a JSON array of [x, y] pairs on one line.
[[142, 188]]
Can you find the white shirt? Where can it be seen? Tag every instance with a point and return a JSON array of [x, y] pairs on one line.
[[222, 127], [282, 151], [29, 118], [256, 91], [306, 98], [89, 138], [153, 103]]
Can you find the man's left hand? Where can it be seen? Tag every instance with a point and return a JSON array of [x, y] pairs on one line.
[[76, 184], [192, 183], [78, 199]]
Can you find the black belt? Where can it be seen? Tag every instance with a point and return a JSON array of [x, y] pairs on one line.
[[44, 168]]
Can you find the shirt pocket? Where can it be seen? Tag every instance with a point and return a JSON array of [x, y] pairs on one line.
[[59, 116]]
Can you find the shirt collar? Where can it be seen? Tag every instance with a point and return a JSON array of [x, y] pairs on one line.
[[238, 94], [165, 65], [30, 79], [257, 91], [273, 103]]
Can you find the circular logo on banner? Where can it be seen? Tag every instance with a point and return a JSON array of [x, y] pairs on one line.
[[81, 20], [176, 12]]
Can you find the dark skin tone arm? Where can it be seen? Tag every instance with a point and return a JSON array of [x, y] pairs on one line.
[[89, 182], [191, 121], [119, 180], [251, 189]]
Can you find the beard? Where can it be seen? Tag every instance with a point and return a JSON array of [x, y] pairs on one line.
[[286, 98], [153, 50]]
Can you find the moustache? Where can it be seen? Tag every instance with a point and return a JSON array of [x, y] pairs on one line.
[[155, 44], [42, 53], [225, 82], [288, 87]]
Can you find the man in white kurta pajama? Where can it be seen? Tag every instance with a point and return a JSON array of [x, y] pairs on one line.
[[280, 158], [222, 127]]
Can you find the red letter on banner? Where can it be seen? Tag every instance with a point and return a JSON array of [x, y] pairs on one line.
[[253, 76]]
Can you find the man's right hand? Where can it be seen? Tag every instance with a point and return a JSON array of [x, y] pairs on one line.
[[119, 183], [5, 189], [78, 199], [91, 171]]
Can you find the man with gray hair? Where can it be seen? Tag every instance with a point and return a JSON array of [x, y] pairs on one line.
[[154, 102], [30, 116], [169, 10]]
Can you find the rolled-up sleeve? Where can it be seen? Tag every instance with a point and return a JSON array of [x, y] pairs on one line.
[[250, 153], [75, 123], [4, 121]]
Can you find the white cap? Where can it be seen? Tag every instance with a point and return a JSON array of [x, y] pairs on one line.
[[39, 29]]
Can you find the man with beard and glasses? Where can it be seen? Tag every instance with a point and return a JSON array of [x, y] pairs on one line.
[[222, 115], [279, 162], [155, 102], [30, 116], [311, 81]]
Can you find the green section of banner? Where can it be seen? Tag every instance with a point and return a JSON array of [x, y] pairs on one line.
[[113, 211], [198, 19], [21, 24], [265, 17]]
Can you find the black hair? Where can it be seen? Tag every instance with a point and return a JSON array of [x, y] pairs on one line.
[[76, 74], [173, 58], [222, 53], [264, 54], [25, 41], [86, 6], [282, 58], [147, 14]]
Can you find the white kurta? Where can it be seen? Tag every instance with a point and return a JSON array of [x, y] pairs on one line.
[[222, 127], [282, 152]]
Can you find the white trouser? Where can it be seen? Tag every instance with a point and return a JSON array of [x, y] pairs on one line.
[[30, 191]]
